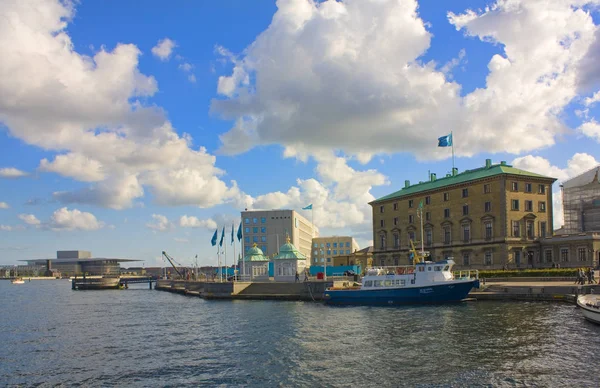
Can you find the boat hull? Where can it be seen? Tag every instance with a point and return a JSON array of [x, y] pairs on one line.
[[590, 307], [96, 284], [431, 294]]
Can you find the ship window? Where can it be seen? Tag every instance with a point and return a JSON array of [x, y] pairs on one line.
[[437, 268], [446, 268], [368, 283], [428, 268], [376, 283], [421, 269], [388, 283]]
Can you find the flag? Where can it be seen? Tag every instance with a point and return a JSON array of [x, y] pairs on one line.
[[213, 241], [445, 141], [222, 237], [239, 235], [309, 207], [232, 234], [421, 204]]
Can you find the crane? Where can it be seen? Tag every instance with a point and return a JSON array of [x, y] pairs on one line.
[[172, 262]]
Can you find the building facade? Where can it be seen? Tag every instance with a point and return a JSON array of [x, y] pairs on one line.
[[268, 230], [328, 248], [489, 217], [581, 203], [76, 263], [362, 257], [570, 251]]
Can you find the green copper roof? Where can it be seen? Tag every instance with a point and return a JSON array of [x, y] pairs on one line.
[[288, 251], [255, 254], [467, 176]]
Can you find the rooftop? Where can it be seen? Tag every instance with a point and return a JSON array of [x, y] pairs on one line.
[[434, 183]]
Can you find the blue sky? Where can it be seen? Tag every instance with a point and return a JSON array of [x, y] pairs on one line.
[[128, 129]]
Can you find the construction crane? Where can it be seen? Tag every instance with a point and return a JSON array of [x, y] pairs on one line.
[[172, 262]]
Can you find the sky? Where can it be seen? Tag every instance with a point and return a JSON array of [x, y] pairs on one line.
[[129, 128]]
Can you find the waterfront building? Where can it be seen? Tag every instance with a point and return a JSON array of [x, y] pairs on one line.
[[569, 250], [77, 263], [268, 230], [330, 247], [288, 262], [489, 217], [581, 203], [362, 257], [255, 265]]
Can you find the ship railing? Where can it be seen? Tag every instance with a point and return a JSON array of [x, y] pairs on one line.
[[391, 270], [466, 274]]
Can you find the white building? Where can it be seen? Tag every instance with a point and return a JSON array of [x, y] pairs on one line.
[[288, 263], [255, 265]]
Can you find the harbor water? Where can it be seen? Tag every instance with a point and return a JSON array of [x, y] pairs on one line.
[[53, 336]]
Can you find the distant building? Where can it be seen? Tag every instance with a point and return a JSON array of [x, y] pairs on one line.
[[268, 229], [288, 263], [489, 217], [581, 203], [330, 247], [76, 263], [255, 265], [363, 257], [570, 250]]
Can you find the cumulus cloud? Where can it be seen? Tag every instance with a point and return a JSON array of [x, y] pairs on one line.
[[591, 129], [64, 219], [4, 205], [6, 228], [188, 70], [11, 172], [30, 219], [186, 221], [91, 110], [164, 49], [348, 75], [160, 224]]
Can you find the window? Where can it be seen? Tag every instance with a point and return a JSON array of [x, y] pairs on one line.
[[466, 233], [466, 259], [381, 209], [542, 206], [541, 189], [255, 239], [254, 230], [528, 206], [528, 187], [328, 245], [581, 254], [322, 245], [381, 223], [382, 241], [411, 219], [427, 216], [315, 245], [564, 255], [263, 238], [488, 230], [255, 220], [335, 245], [246, 230], [446, 196], [446, 213], [396, 206], [329, 251], [347, 245], [347, 251], [410, 203], [465, 210], [411, 235], [518, 258], [246, 220], [428, 200], [514, 204], [395, 220], [487, 188], [543, 229], [396, 240], [315, 252], [428, 237], [515, 186], [487, 207], [246, 247], [263, 220], [264, 249], [382, 262], [548, 255], [447, 235], [529, 226], [335, 251], [488, 259], [465, 193], [396, 262], [516, 229], [247, 239], [263, 230]]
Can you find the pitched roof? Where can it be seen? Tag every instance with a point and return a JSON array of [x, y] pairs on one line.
[[466, 176]]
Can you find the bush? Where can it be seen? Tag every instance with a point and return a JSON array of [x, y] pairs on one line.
[[534, 273]]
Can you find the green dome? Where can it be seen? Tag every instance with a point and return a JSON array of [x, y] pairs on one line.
[[288, 251], [255, 254]]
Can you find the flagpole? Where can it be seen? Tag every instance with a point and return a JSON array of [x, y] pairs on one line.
[[234, 266], [225, 262], [452, 138]]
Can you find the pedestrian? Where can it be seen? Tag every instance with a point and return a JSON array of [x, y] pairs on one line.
[[297, 277], [592, 275], [305, 275]]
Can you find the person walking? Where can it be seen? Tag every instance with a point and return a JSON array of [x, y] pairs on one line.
[[305, 275], [297, 278]]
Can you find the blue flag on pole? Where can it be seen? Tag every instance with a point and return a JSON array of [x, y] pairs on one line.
[[213, 241], [222, 237], [231, 233], [239, 234], [309, 207], [445, 141]]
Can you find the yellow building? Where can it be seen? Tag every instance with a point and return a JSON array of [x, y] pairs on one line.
[[489, 217], [328, 248]]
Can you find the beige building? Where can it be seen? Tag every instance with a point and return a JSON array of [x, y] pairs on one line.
[[268, 229], [569, 250], [489, 217], [328, 248]]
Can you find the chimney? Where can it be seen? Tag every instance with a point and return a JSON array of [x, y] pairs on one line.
[[488, 163], [503, 163], [454, 171], [433, 177], [406, 183]]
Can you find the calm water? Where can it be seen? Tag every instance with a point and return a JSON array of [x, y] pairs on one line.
[[52, 336]]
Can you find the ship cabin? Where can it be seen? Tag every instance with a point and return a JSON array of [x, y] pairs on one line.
[[421, 274]]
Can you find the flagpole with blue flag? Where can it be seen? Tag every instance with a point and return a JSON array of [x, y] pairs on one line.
[[220, 246], [446, 141], [239, 236], [234, 266]]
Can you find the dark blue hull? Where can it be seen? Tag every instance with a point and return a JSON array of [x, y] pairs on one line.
[[442, 293]]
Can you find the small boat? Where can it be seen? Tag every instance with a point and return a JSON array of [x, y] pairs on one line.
[[18, 281], [590, 306], [421, 283]]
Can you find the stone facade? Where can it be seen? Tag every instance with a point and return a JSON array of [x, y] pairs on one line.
[[569, 251], [489, 217]]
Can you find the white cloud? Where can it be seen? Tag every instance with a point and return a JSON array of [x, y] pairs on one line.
[[164, 49], [91, 110], [4, 205], [161, 223], [193, 222], [11, 172], [591, 129], [314, 83], [6, 228], [30, 219], [588, 101], [188, 69], [181, 240], [65, 219]]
